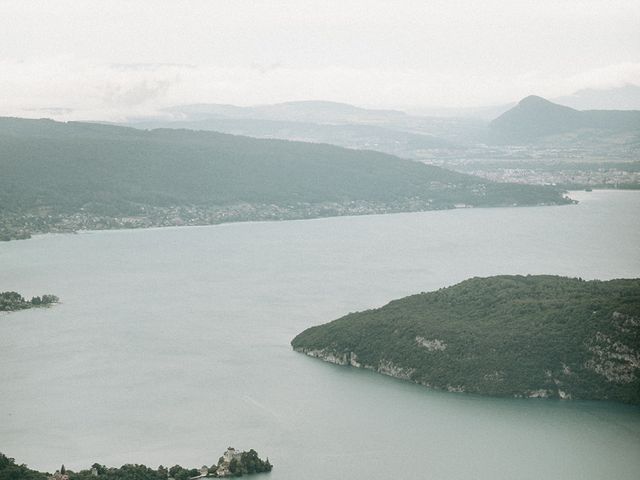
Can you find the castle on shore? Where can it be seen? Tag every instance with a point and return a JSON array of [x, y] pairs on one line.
[[227, 457]]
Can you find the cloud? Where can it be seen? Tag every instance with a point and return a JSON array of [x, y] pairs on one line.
[[87, 91], [148, 66], [51, 111], [116, 59], [139, 93], [609, 76], [266, 67]]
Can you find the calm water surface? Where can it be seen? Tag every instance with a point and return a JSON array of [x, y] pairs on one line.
[[172, 344]]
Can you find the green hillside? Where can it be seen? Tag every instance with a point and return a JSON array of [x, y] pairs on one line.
[[533, 336], [82, 175]]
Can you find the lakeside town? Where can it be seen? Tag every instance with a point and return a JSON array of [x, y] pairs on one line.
[[22, 226], [566, 174]]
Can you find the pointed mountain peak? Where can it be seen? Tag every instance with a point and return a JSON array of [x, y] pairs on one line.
[[534, 117], [534, 100]]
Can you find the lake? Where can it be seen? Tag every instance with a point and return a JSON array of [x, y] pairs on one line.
[[172, 344]]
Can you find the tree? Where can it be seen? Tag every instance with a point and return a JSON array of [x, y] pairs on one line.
[[10, 471], [235, 468], [48, 299]]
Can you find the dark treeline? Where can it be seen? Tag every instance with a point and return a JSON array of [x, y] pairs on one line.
[[10, 301], [247, 463]]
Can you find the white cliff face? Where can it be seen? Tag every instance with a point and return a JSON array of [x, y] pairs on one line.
[[614, 360], [542, 393], [389, 368], [611, 358], [385, 367], [353, 360], [455, 388], [433, 345], [327, 356], [564, 395], [496, 376]]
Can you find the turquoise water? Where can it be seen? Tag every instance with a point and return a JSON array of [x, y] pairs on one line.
[[172, 344]]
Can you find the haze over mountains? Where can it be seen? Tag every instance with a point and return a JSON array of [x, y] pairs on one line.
[[532, 120], [626, 97], [305, 111], [150, 172], [356, 135], [311, 121], [535, 141]]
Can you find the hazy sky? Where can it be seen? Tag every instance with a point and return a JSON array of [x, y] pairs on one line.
[[109, 59]]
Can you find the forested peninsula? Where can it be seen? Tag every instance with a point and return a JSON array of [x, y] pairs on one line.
[[517, 336], [62, 177], [11, 301]]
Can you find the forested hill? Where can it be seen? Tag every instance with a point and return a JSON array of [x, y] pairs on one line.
[[51, 169], [533, 336]]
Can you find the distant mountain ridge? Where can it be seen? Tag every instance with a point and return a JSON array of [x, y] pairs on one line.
[[319, 115], [323, 112], [532, 120], [626, 97]]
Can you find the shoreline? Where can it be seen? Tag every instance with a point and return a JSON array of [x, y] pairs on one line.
[[145, 223]]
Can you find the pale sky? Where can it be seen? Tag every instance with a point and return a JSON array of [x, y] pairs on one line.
[[106, 60]]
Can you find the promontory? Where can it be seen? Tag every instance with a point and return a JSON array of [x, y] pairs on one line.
[[522, 336]]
